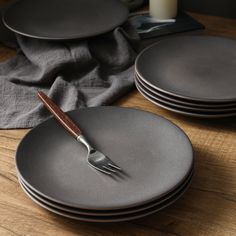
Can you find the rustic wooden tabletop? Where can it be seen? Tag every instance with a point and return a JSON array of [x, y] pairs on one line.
[[208, 207]]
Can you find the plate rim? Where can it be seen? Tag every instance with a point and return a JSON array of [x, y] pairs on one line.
[[187, 103], [113, 213], [3, 18], [190, 114], [178, 106], [177, 94], [109, 219]]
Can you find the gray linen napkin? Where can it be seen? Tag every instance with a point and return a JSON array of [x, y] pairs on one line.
[[74, 74]]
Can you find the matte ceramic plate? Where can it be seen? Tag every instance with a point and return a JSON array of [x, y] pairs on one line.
[[197, 68], [64, 19], [155, 155], [106, 219], [178, 106], [108, 213], [182, 101], [184, 111]]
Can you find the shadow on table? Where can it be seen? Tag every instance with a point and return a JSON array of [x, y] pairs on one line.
[[203, 206], [228, 123], [208, 203]]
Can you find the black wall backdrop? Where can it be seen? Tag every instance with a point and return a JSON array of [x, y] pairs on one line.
[[226, 8]]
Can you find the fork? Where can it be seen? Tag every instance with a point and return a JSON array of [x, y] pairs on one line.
[[95, 158]]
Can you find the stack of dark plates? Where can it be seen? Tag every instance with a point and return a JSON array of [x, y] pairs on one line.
[[156, 157], [190, 75]]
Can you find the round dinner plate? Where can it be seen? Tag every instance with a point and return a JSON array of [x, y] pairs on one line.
[[64, 19], [184, 111], [106, 219], [155, 154], [178, 106], [196, 68], [109, 213], [182, 101]]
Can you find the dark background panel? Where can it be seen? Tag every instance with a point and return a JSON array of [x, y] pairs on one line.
[[226, 8]]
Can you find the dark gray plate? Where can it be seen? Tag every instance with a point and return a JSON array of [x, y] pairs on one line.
[[109, 213], [106, 219], [196, 68], [179, 106], [184, 102], [154, 153], [64, 19], [186, 112]]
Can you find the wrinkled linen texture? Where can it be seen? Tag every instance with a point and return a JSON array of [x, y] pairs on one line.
[[75, 74]]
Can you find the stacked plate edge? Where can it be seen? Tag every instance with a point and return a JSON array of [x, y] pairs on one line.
[[53, 171], [191, 75]]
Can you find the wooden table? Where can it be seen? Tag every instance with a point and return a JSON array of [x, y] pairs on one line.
[[208, 208]]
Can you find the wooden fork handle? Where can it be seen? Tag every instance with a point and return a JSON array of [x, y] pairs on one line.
[[60, 115]]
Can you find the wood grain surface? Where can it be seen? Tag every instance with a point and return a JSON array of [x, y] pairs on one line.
[[208, 207]]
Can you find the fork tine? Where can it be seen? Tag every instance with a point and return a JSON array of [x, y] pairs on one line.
[[114, 166], [104, 171], [110, 169], [100, 169]]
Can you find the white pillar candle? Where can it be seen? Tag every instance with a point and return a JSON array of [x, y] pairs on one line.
[[163, 9]]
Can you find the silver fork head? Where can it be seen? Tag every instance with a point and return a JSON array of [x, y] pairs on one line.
[[102, 163], [98, 160]]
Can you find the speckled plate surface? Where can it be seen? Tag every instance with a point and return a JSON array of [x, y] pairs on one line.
[[155, 155], [64, 19], [195, 68]]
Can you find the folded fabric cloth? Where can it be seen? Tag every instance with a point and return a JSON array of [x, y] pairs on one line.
[[75, 74]]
